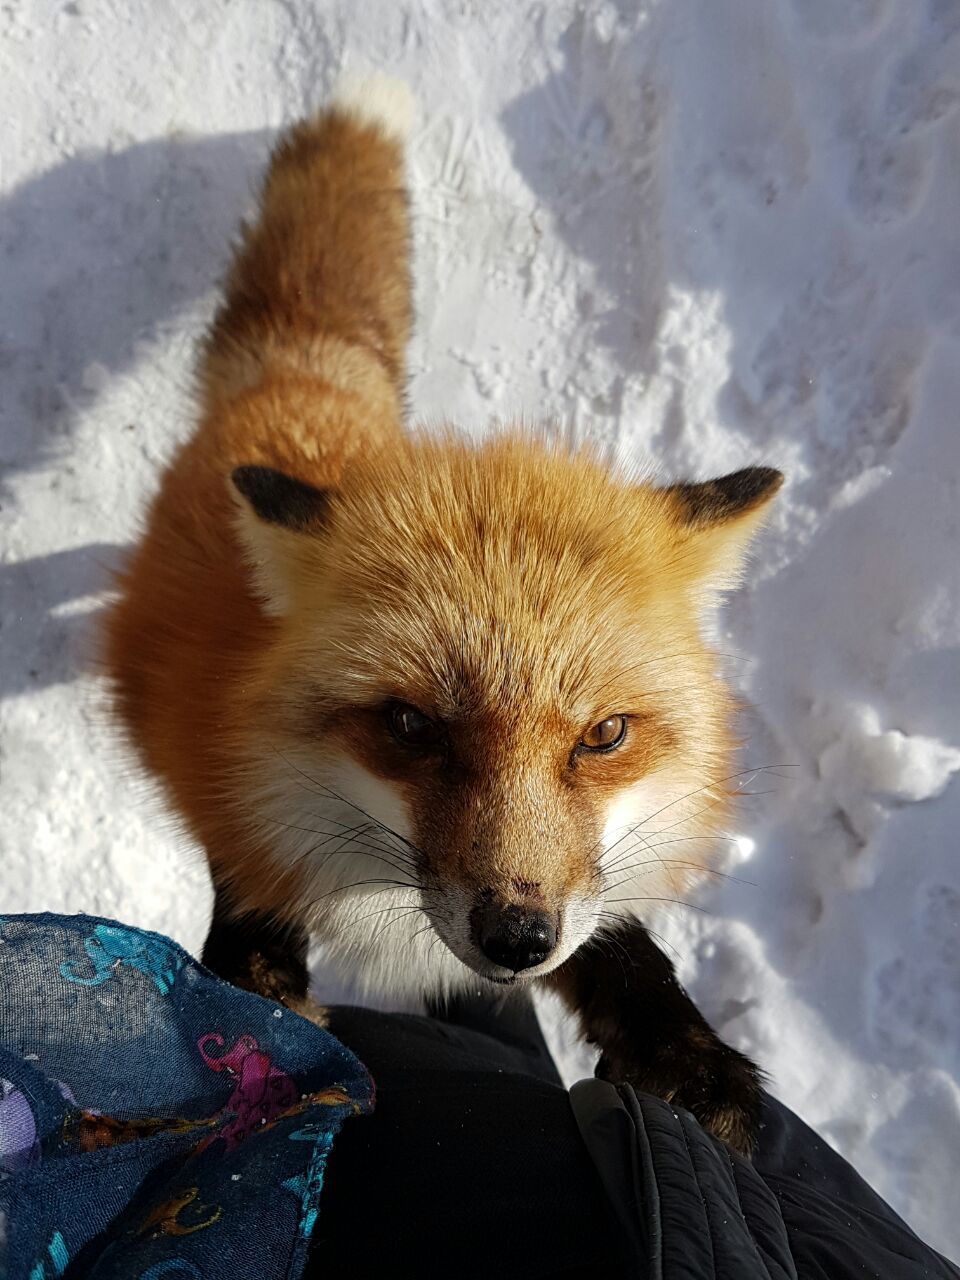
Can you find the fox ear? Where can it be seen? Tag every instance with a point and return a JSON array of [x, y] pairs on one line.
[[719, 517], [276, 498], [274, 512]]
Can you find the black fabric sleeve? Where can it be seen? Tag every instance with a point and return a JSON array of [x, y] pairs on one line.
[[471, 1167]]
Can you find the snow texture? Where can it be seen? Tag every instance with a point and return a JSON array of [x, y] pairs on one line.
[[710, 232]]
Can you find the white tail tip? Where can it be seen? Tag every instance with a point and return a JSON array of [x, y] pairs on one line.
[[374, 98]]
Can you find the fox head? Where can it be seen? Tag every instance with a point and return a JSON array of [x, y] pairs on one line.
[[488, 703]]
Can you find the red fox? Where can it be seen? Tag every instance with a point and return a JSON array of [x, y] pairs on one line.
[[445, 706]]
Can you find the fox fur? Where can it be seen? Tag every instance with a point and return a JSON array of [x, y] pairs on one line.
[[308, 564]]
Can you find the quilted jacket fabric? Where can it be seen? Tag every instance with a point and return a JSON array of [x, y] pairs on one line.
[[694, 1210]]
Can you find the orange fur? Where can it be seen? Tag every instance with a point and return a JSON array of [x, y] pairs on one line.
[[511, 591]]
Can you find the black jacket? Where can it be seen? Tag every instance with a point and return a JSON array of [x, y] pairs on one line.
[[479, 1165], [696, 1211]]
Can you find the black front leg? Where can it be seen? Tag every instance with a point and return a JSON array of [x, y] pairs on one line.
[[260, 954], [652, 1036]]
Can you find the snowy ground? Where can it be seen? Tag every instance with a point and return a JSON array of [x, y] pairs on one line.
[[714, 231]]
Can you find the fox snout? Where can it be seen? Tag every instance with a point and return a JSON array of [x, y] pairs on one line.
[[514, 937], [505, 933]]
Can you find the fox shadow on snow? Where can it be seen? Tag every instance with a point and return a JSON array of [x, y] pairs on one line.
[[101, 253]]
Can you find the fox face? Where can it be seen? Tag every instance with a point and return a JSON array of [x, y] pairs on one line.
[[488, 701]]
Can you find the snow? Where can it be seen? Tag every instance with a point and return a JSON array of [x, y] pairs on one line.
[[711, 233]]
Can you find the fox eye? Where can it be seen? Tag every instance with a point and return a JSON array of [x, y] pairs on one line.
[[605, 736], [412, 728]]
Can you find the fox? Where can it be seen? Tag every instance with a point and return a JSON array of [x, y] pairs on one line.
[[448, 707]]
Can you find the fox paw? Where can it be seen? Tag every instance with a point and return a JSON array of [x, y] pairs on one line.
[[308, 1008], [718, 1085]]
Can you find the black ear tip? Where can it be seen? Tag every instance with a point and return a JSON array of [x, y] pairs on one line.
[[714, 502], [244, 480], [760, 482], [278, 498]]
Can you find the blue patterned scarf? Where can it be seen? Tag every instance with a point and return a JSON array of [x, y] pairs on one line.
[[155, 1123]]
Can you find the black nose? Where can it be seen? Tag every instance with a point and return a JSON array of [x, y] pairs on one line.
[[513, 938]]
